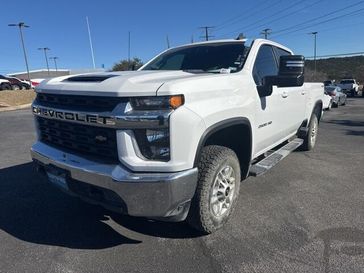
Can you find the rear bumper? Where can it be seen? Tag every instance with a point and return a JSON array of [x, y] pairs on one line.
[[151, 195]]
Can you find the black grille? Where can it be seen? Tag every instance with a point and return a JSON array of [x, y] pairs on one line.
[[83, 139], [77, 102]]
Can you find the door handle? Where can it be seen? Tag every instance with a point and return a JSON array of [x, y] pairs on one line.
[[303, 92], [284, 94]]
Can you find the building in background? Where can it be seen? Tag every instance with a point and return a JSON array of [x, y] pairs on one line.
[[43, 73]]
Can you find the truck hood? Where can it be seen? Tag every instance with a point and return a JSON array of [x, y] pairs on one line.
[[119, 84]]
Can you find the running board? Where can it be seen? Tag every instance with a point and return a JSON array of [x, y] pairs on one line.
[[271, 160]]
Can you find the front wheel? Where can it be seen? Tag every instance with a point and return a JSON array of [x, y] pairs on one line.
[[309, 140], [15, 87], [217, 189]]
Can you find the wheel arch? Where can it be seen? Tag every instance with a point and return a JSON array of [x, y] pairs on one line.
[[318, 108], [215, 135]]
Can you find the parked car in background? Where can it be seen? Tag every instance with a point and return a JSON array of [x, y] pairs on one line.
[[338, 97], [327, 102], [329, 82], [4, 85], [349, 86], [15, 83]]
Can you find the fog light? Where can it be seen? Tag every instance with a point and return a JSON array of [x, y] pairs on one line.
[[153, 144]]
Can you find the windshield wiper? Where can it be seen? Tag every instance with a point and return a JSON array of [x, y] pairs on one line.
[[196, 71]]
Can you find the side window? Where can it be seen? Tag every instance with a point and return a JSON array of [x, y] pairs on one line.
[[265, 64]]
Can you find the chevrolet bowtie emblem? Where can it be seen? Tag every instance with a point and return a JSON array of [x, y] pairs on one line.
[[101, 138]]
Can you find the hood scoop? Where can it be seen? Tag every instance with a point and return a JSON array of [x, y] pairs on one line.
[[89, 78]]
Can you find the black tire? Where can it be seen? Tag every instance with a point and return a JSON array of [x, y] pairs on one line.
[[5, 86], [309, 140], [335, 105], [213, 162]]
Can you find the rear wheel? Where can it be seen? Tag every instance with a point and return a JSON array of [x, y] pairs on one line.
[[309, 140], [217, 189]]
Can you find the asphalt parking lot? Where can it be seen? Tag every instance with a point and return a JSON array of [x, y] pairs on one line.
[[305, 215]]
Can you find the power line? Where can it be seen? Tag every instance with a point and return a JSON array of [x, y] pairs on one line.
[[207, 36], [231, 19], [319, 17], [282, 16], [325, 21], [244, 16], [286, 15], [277, 13]]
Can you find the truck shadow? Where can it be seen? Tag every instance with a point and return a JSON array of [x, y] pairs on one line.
[[350, 123], [34, 211]]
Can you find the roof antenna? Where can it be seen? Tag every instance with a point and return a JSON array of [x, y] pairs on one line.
[[240, 37]]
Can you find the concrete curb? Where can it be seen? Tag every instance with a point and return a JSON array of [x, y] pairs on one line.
[[13, 108]]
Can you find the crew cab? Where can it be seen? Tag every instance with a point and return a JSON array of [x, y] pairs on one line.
[[349, 86], [173, 140]]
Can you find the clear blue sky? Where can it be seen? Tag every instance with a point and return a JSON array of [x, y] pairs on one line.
[[61, 26]]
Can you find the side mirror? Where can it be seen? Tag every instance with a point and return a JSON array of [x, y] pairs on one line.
[[290, 74]]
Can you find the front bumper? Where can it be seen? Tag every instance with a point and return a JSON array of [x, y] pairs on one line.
[[151, 195]]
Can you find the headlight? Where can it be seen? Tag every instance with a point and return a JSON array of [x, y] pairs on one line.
[[153, 144], [157, 103]]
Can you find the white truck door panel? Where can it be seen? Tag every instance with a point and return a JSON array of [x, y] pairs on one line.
[[293, 101], [269, 110]]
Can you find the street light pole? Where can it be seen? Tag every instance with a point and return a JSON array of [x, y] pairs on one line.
[[45, 56], [20, 26], [55, 63], [314, 52]]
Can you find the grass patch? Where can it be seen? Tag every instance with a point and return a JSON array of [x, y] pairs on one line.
[[15, 98]]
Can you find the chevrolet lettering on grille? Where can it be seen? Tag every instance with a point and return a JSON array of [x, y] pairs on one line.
[[72, 116]]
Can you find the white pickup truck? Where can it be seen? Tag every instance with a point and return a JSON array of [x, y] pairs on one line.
[[349, 86], [173, 140]]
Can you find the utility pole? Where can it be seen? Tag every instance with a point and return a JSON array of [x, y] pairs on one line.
[[129, 50], [55, 62], [91, 46], [45, 49], [167, 39], [192, 41], [266, 32], [314, 52], [207, 36], [20, 26]]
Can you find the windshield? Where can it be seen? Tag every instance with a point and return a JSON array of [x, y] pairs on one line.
[[213, 58], [347, 81]]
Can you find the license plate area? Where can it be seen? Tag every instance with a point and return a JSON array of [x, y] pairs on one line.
[[57, 176]]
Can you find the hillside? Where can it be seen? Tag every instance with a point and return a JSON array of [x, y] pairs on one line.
[[338, 68]]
